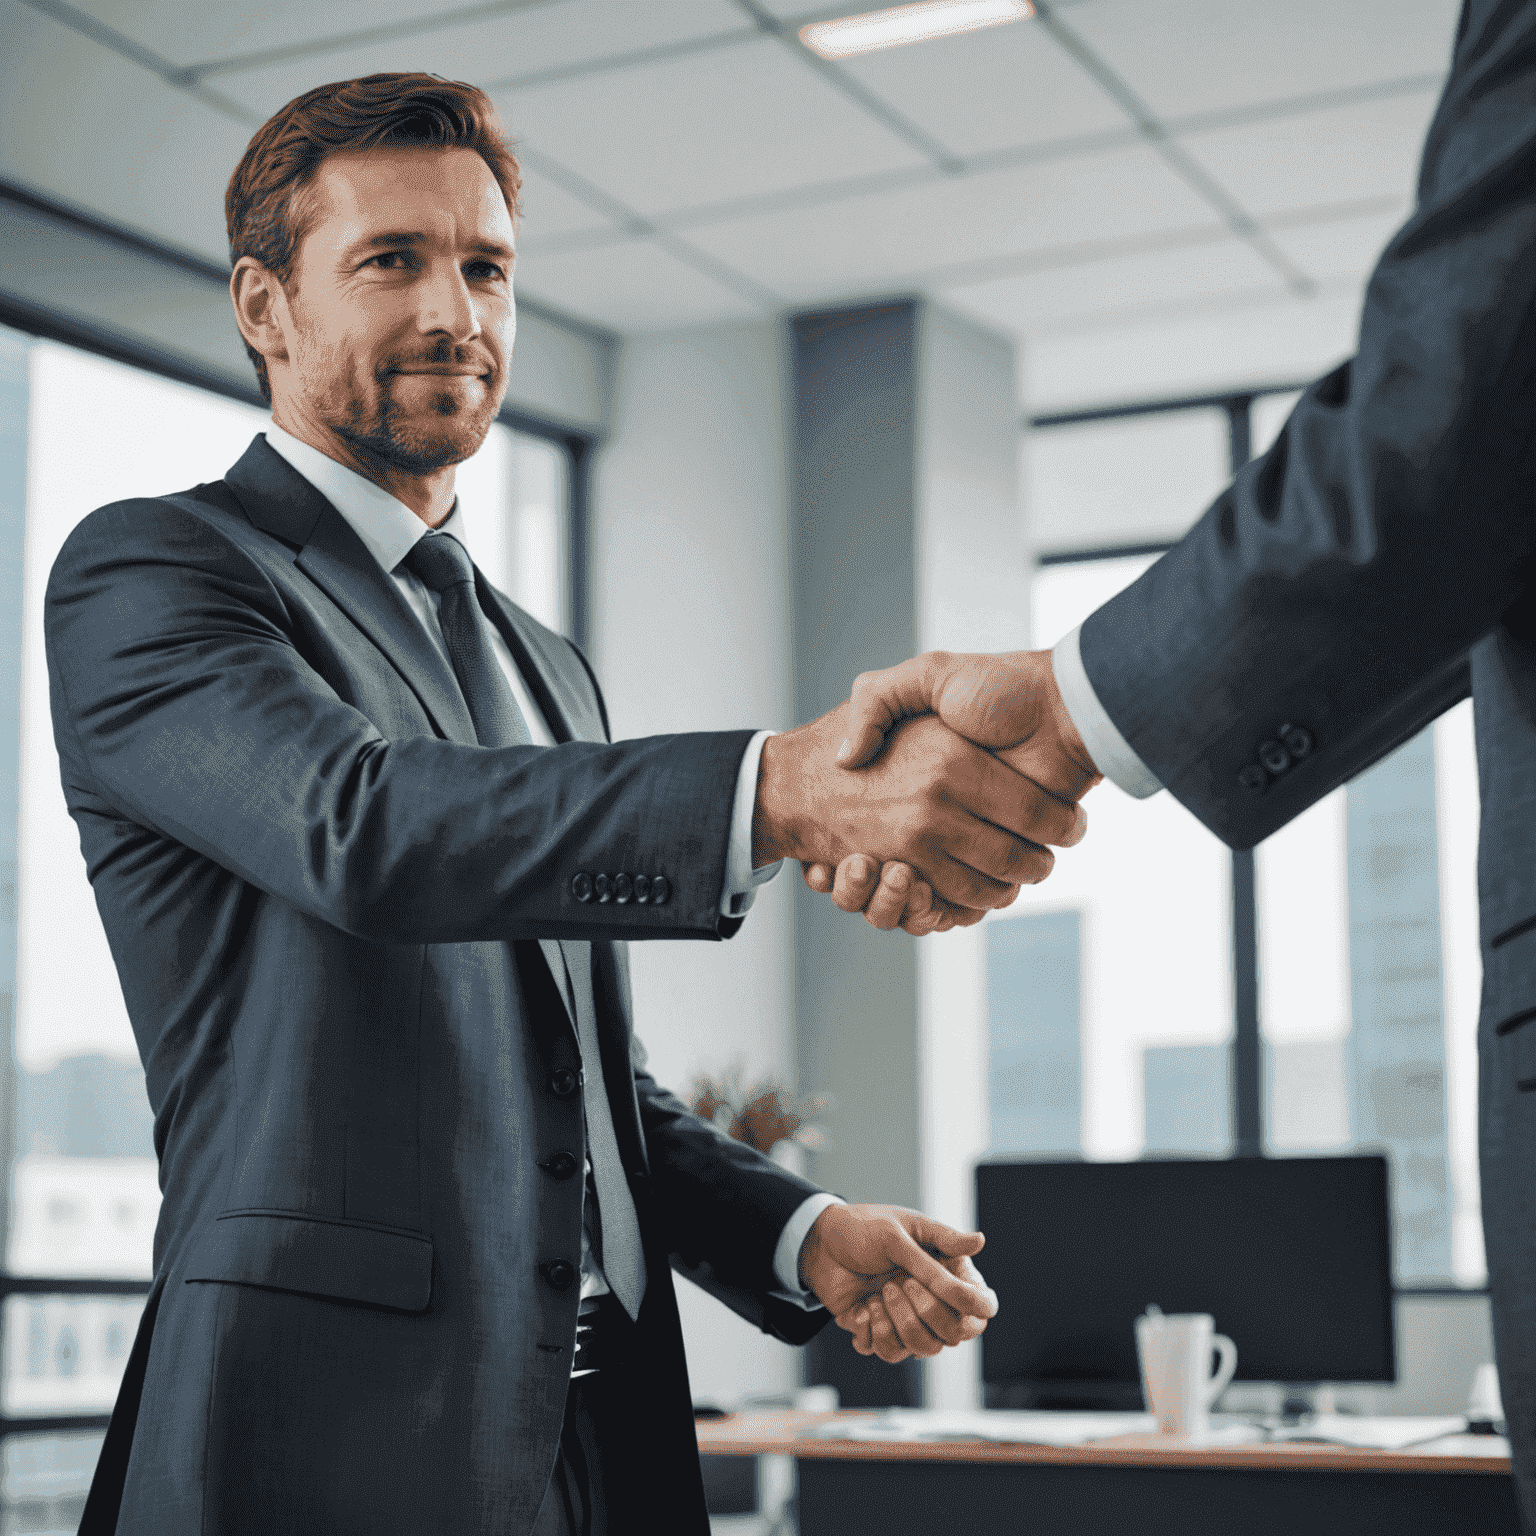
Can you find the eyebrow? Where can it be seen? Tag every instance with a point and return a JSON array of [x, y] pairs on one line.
[[415, 237]]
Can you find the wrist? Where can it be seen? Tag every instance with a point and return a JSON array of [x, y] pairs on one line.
[[1065, 727], [780, 827], [810, 1251]]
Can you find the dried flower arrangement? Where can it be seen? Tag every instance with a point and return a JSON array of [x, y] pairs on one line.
[[760, 1116]]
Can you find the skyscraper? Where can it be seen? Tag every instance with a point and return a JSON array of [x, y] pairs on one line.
[[1397, 1044]]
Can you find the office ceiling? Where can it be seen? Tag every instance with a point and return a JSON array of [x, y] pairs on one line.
[[1109, 164]]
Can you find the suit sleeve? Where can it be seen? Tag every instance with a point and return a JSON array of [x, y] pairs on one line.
[[182, 701], [1332, 593], [722, 1207], [718, 1206]]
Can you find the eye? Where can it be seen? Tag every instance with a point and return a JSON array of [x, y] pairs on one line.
[[485, 269], [388, 261]]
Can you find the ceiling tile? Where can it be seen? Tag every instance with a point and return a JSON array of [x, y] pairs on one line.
[[995, 89], [530, 34], [194, 31], [1117, 291], [631, 287], [906, 238], [565, 34], [1340, 247], [1234, 347], [1366, 151], [1188, 56], [550, 211], [753, 119], [129, 149]]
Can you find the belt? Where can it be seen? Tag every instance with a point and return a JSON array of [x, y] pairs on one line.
[[601, 1329]]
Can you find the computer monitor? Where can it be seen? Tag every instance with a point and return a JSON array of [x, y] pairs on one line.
[[1292, 1257]]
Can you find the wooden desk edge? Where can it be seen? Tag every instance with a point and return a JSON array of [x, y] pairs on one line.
[[775, 1432]]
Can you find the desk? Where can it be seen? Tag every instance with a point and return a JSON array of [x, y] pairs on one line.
[[1133, 1485]]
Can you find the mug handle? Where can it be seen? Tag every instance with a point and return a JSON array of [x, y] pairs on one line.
[[1225, 1371]]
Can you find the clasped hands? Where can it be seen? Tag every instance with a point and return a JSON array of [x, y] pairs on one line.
[[900, 1282], [969, 770]]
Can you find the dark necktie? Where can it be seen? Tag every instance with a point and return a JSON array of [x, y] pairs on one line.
[[443, 564]]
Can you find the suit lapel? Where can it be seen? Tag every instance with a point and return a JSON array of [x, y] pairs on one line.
[[547, 670], [281, 502], [336, 560]]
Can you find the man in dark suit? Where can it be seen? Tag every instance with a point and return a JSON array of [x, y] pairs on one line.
[[1368, 572], [365, 856]]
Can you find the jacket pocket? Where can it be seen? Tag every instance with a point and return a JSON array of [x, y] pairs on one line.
[[288, 1251]]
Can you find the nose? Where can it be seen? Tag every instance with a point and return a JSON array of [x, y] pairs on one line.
[[446, 306]]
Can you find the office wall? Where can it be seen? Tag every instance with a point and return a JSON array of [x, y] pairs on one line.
[[690, 631]]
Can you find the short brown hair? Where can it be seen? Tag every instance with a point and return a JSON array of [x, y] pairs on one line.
[[262, 206]]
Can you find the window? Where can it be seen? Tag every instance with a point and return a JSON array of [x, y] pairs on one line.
[[84, 1184], [1116, 990], [1143, 907]]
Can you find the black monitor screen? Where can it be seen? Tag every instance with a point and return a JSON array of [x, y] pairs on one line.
[[1292, 1257]]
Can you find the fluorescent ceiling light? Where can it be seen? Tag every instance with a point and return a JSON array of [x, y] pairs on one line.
[[909, 24]]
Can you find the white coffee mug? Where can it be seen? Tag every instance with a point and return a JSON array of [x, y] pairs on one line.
[[1175, 1352]]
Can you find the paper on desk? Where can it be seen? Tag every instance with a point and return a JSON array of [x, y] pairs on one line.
[[1369, 1434], [1015, 1426]]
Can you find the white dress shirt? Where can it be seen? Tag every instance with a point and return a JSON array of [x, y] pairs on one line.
[[389, 530], [1112, 754]]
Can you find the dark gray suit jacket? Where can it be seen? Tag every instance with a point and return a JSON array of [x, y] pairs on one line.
[[1372, 569], [325, 901]]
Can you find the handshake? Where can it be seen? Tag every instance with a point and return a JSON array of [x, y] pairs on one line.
[[933, 794]]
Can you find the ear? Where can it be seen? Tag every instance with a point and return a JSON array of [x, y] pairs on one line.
[[261, 309]]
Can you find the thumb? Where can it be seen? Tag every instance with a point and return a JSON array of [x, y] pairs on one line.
[[861, 744], [950, 1242], [879, 699]]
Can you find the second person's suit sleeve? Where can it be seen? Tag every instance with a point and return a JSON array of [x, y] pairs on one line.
[[1329, 598]]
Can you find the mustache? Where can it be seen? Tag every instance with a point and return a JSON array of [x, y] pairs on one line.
[[443, 355]]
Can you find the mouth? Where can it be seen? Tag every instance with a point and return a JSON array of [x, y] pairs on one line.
[[443, 373]]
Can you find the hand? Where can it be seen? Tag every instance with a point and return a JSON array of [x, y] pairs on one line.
[[856, 1255], [889, 895], [1007, 702], [877, 1324], [973, 828]]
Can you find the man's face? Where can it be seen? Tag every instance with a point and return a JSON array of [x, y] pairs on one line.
[[401, 298]]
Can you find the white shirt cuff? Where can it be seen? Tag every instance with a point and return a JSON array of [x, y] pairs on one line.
[[1112, 754], [741, 880], [786, 1257]]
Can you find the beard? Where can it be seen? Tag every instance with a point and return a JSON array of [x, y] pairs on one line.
[[438, 428]]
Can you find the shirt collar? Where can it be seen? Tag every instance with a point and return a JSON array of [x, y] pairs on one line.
[[388, 528]]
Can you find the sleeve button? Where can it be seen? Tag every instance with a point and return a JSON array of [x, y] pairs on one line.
[[604, 888], [661, 888], [1274, 757], [581, 886], [561, 1166], [562, 1082], [1297, 739], [642, 890], [623, 888], [1252, 777]]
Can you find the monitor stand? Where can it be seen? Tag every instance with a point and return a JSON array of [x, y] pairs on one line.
[[1304, 1398]]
